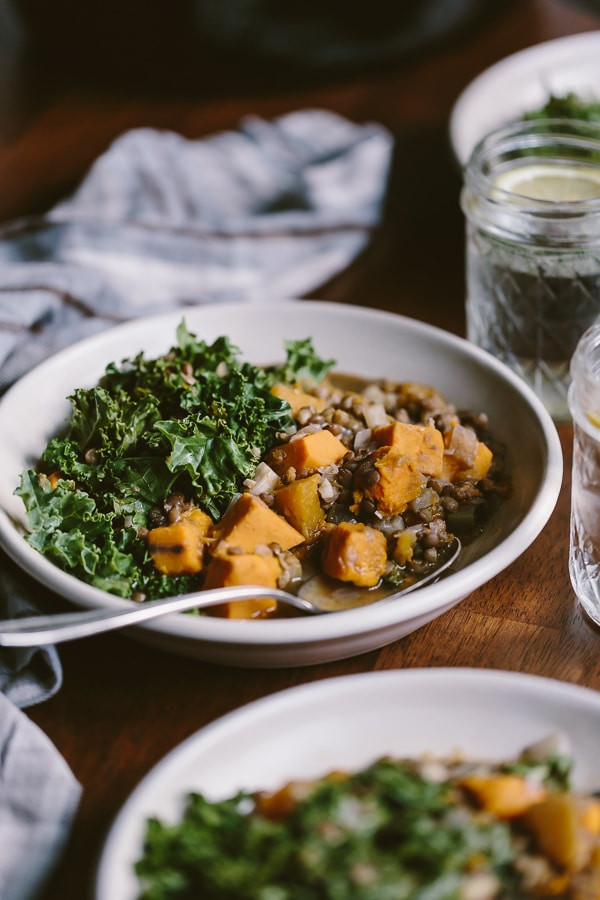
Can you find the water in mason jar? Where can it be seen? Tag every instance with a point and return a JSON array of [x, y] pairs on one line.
[[529, 307], [584, 556]]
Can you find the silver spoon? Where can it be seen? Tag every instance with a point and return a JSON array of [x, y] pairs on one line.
[[33, 631]]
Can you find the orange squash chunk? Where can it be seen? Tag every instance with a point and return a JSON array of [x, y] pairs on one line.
[[297, 399], [250, 522], [503, 794], [178, 549], [590, 818], [422, 443], [452, 470], [228, 570], [54, 478], [399, 483], [404, 546], [355, 552], [300, 504], [558, 823], [311, 451]]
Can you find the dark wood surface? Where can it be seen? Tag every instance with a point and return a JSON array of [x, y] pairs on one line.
[[123, 706]]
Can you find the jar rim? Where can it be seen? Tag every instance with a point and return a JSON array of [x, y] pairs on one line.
[[513, 216], [569, 140]]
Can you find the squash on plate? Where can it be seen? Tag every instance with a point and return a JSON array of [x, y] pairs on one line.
[[566, 829], [423, 444], [465, 457], [249, 522], [297, 398], [300, 504], [355, 552], [178, 549], [309, 451], [503, 794], [396, 482], [229, 569], [404, 546]]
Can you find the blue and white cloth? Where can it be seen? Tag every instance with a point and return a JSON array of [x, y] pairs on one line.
[[271, 210]]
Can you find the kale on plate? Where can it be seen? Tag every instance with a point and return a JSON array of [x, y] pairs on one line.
[[195, 421]]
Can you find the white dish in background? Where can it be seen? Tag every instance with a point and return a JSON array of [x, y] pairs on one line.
[[523, 82], [346, 723], [364, 342]]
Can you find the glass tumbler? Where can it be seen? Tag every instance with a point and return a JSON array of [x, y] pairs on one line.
[[531, 199], [584, 404]]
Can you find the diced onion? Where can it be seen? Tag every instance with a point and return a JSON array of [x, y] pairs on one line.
[[265, 479], [375, 415], [362, 438]]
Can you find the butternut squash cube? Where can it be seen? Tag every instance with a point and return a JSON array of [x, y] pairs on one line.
[[591, 817], [298, 399], [311, 451], [404, 547], [452, 469], [355, 552], [503, 794], [558, 825], [299, 502], [178, 549], [423, 444], [227, 570], [196, 517], [282, 803], [54, 478], [250, 522], [399, 482]]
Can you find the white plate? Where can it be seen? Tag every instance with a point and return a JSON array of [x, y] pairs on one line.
[[365, 342], [523, 82], [346, 723]]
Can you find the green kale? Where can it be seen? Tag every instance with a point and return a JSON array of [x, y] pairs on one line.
[[567, 106], [195, 421], [385, 832], [68, 528], [302, 363], [554, 771], [577, 116]]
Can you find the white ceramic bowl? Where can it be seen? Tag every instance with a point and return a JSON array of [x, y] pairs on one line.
[[523, 82], [365, 342], [346, 723]]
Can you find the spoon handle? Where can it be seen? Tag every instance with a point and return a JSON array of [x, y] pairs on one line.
[[36, 631]]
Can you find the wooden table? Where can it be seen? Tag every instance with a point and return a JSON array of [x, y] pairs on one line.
[[122, 705]]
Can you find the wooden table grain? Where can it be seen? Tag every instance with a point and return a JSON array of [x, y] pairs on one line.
[[122, 705]]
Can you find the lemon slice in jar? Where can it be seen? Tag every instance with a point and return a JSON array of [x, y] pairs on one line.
[[556, 183]]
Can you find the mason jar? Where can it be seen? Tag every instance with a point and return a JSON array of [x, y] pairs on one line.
[[584, 404], [531, 199]]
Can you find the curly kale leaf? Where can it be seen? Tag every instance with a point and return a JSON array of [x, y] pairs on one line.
[[568, 106], [111, 423], [302, 363], [213, 462], [70, 531], [195, 420]]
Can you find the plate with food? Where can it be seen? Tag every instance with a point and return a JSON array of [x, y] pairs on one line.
[[323, 449], [450, 782], [560, 77]]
